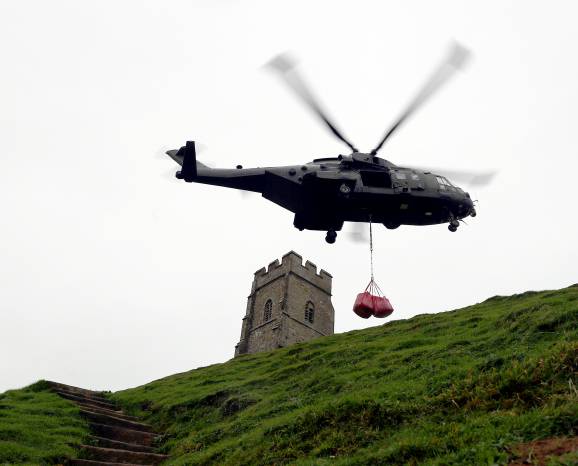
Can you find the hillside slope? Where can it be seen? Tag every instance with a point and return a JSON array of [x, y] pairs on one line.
[[39, 427], [458, 387]]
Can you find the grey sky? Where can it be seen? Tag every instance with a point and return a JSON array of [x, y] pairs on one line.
[[112, 274]]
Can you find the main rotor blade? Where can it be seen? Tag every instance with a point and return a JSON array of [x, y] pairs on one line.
[[455, 60], [285, 66]]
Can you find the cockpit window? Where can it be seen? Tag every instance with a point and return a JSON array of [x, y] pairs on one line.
[[443, 181], [445, 184]]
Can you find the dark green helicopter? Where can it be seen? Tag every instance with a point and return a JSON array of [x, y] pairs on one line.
[[359, 187]]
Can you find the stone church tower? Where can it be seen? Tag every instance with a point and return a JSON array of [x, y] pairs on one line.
[[289, 303]]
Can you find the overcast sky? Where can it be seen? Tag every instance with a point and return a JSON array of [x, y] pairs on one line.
[[112, 274]]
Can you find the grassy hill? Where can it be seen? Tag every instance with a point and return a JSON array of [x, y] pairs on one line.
[[38, 427], [459, 387]]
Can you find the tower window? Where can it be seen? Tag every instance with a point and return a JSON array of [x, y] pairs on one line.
[[268, 311], [309, 312]]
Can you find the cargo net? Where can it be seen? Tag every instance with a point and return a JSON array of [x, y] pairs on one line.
[[372, 302]]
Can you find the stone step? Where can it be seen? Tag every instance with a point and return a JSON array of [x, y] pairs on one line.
[[110, 412], [114, 421], [79, 462], [108, 443], [122, 434], [111, 455], [81, 399], [76, 390], [95, 398]]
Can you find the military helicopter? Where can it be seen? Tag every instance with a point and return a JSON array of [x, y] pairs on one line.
[[357, 187]]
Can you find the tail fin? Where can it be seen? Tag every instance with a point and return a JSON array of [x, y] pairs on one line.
[[186, 156]]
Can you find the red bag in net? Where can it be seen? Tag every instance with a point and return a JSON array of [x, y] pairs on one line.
[[372, 302], [363, 306], [381, 307]]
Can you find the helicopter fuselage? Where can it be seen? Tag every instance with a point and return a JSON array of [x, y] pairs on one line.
[[325, 193]]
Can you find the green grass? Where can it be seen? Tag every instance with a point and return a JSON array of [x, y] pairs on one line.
[[453, 388], [38, 427], [459, 387]]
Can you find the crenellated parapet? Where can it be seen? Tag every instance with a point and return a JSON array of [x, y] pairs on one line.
[[293, 263]]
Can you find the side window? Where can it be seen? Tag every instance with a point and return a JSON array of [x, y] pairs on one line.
[[309, 312], [268, 311], [416, 182], [376, 179]]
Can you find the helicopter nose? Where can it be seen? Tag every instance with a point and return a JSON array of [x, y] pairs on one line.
[[469, 204], [464, 206]]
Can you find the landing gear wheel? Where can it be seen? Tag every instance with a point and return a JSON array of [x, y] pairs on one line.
[[453, 228], [331, 236]]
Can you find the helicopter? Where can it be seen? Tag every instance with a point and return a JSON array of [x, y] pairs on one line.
[[356, 187]]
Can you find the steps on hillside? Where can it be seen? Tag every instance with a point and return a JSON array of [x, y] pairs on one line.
[[71, 388], [122, 434], [111, 420], [119, 439], [111, 455], [85, 400], [78, 391], [108, 443], [80, 462], [97, 409]]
